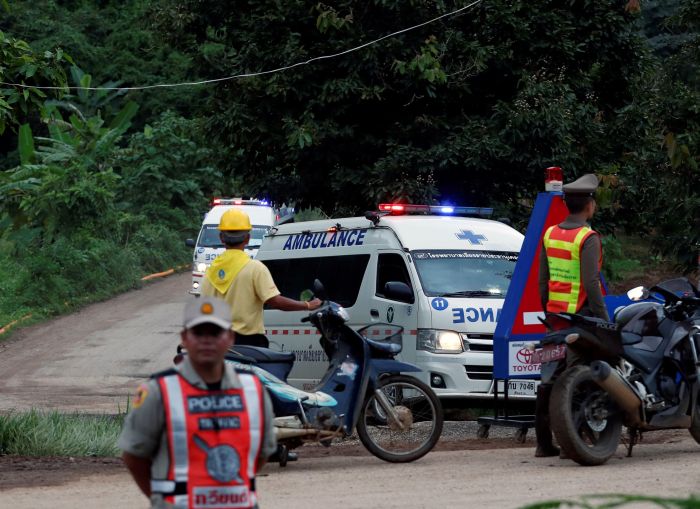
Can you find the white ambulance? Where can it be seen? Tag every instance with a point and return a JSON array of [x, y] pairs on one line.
[[441, 276], [208, 246]]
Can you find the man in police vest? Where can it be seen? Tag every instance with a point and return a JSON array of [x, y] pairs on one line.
[[245, 284], [569, 281], [197, 434]]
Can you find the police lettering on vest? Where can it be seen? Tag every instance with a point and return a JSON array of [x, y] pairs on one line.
[[214, 403], [322, 240]]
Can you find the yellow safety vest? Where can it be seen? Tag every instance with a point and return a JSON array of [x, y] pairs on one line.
[[563, 248]]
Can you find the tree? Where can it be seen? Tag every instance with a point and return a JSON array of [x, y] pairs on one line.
[[471, 108]]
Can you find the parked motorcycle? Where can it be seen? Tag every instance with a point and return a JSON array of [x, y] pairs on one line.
[[642, 371], [398, 418]]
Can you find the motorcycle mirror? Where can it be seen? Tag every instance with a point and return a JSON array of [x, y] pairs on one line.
[[638, 293], [319, 290], [306, 295]]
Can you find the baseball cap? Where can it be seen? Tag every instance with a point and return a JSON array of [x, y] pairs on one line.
[[207, 310]]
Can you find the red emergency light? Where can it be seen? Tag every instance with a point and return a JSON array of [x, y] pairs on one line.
[[397, 209], [237, 201]]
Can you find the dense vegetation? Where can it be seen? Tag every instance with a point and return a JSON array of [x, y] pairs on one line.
[[98, 188]]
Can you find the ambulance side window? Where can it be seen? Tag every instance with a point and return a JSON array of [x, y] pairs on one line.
[[391, 267], [341, 276]]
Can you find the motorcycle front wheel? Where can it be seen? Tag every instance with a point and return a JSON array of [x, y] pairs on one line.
[[585, 421], [419, 415], [695, 424]]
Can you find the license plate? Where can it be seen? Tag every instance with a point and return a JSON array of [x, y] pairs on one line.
[[548, 353], [520, 387]]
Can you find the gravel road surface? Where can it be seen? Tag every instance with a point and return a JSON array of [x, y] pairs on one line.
[[92, 360]]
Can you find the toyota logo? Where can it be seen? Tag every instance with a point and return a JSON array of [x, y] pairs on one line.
[[524, 355]]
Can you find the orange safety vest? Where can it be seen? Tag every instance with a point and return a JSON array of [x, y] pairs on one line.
[[563, 248], [214, 439]]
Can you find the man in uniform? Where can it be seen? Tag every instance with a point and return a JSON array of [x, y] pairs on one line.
[[245, 284], [569, 281], [197, 434]]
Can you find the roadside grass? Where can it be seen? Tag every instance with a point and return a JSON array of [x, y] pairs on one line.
[[73, 272], [618, 500], [37, 433], [629, 261]]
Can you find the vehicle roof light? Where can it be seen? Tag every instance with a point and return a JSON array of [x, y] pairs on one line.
[[237, 201], [411, 208]]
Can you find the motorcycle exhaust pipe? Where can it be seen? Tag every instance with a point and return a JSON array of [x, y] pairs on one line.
[[620, 391]]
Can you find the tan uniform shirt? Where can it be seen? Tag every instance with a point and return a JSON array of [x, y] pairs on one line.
[[144, 433], [251, 288], [590, 274]]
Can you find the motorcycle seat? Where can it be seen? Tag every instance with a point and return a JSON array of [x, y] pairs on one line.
[[384, 346], [260, 354]]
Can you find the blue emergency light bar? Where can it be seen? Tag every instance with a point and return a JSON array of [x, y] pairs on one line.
[[398, 209], [237, 201]]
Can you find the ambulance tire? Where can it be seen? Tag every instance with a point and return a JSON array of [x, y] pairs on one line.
[[419, 409]]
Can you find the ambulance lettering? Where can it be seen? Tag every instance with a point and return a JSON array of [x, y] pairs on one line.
[[323, 240], [473, 315]]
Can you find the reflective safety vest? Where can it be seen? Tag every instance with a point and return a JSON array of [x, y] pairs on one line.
[[563, 248], [214, 439]]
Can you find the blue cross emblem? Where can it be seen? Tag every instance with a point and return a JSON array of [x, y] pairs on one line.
[[473, 238]]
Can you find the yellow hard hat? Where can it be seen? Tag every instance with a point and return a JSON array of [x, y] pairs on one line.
[[234, 220]]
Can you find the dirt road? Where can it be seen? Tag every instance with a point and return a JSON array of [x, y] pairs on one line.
[[92, 360], [502, 478]]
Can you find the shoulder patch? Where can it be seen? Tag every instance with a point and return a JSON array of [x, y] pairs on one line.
[[141, 395]]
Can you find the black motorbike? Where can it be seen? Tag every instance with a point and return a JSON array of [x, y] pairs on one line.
[[641, 371]]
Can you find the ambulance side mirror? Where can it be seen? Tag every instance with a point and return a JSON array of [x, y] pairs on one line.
[[398, 291], [189, 242]]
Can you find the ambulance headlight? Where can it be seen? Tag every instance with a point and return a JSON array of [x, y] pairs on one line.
[[201, 267], [439, 341]]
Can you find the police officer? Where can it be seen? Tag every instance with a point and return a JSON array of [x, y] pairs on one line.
[[245, 284], [569, 281], [197, 434]]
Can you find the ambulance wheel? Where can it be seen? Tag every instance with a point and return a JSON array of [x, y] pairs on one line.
[[521, 435], [483, 431], [419, 416]]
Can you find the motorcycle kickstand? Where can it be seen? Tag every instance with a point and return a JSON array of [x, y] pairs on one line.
[[635, 436]]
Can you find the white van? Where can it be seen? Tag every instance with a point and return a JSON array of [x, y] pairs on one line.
[[208, 245], [440, 276]]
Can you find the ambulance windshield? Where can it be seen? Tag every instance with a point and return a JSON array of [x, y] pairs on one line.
[[209, 236], [465, 273]]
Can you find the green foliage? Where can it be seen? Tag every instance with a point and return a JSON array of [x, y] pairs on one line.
[[613, 501], [166, 172], [72, 183], [470, 109], [36, 433], [20, 64]]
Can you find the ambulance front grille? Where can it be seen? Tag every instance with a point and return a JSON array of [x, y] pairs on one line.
[[479, 372], [477, 342]]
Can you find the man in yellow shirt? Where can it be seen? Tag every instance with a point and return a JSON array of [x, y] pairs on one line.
[[244, 283]]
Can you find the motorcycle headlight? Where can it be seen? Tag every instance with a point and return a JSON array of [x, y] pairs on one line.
[[201, 267], [343, 314], [439, 341]]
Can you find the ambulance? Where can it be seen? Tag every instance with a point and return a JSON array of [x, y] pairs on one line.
[[208, 246], [440, 272]]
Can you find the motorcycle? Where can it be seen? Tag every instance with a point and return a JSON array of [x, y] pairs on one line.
[[398, 418], [641, 371]]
